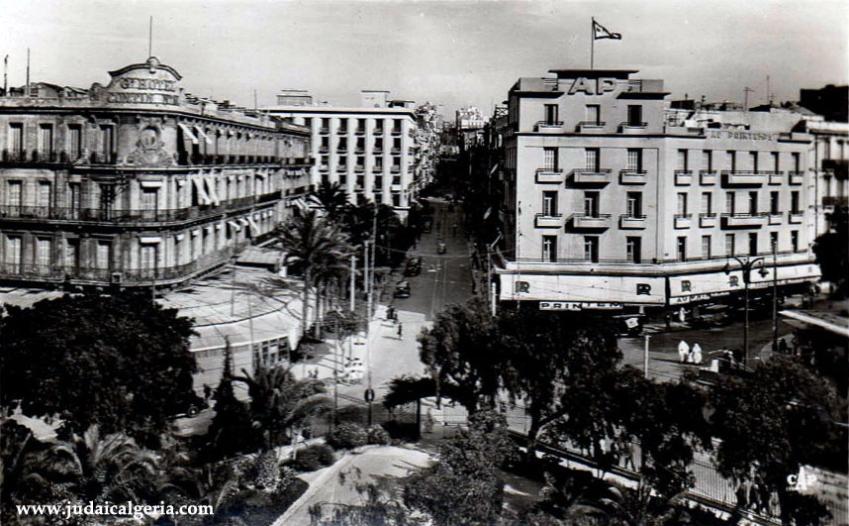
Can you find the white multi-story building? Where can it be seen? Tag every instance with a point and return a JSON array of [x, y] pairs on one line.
[[368, 150]]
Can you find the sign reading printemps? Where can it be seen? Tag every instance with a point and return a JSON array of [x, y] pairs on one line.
[[742, 135]]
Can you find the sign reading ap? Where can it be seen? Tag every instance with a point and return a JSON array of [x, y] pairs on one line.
[[596, 86]]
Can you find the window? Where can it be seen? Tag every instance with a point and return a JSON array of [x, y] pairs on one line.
[[396, 199], [361, 125], [16, 139], [797, 162], [706, 247], [592, 159], [682, 248], [104, 250], [361, 145], [378, 182], [43, 197], [343, 144], [45, 140], [776, 164], [683, 160], [549, 203], [794, 240], [634, 203], [635, 160], [74, 196], [551, 113], [549, 249], [75, 143], [396, 163], [707, 160], [682, 204], [43, 248], [632, 249], [753, 244], [106, 139], [753, 203], [361, 181], [730, 202], [72, 253], [149, 199], [148, 256], [591, 204], [635, 115], [378, 145], [593, 115], [794, 202], [13, 193], [13, 254], [551, 160], [361, 161], [729, 245], [773, 203], [773, 241], [732, 160], [591, 249], [707, 203], [754, 157]]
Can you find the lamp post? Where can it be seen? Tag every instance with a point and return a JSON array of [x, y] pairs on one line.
[[746, 265]]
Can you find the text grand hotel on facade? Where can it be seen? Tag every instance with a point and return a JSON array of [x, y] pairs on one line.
[[137, 183], [613, 199]]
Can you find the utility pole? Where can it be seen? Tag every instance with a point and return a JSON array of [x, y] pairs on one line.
[[768, 99], [646, 357], [27, 90], [746, 266], [353, 283], [368, 314], [6, 76], [774, 297], [746, 92]]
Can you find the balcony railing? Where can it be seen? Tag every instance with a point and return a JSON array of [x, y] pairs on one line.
[[549, 175], [395, 169], [831, 200], [743, 178], [627, 127], [396, 131], [708, 177], [707, 220], [628, 176], [796, 178], [795, 218], [632, 222], [591, 177], [590, 222], [549, 220], [683, 177], [776, 218], [683, 221], [589, 126], [548, 125], [743, 220], [774, 178]]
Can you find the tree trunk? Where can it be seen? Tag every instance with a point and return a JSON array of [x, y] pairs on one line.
[[317, 312], [305, 300], [533, 431]]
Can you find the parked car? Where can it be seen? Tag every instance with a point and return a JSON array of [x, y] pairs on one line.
[[414, 267], [441, 248], [402, 289]]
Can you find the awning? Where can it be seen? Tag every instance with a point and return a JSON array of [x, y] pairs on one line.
[[199, 186], [188, 132], [148, 240], [235, 226], [179, 237], [254, 226], [213, 191], [203, 134], [150, 184], [243, 221]]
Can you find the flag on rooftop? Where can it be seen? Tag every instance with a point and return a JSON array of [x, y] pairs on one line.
[[600, 32]]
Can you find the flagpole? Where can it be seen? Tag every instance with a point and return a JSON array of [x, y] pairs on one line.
[[592, 43]]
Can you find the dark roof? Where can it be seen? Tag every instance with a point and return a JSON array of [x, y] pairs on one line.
[[593, 73]]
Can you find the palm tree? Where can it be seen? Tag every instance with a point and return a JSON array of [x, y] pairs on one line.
[[332, 198], [312, 242], [327, 270], [280, 402]]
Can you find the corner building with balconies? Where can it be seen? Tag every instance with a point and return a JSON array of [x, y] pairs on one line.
[[615, 200], [137, 183], [370, 151]]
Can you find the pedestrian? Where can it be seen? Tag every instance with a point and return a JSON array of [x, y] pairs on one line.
[[683, 351], [627, 449], [782, 346], [400, 330], [668, 318], [754, 497], [697, 354], [742, 494], [207, 392]]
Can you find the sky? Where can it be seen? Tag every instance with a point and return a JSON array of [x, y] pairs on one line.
[[453, 53]]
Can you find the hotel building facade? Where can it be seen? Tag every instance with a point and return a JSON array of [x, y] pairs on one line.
[[613, 200], [369, 150], [137, 183]]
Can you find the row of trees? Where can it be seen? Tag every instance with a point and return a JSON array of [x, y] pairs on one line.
[[567, 373]]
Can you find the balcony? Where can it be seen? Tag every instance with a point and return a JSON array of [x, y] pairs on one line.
[[708, 177], [324, 131], [795, 218], [396, 131], [549, 221], [707, 220], [544, 126], [776, 218], [632, 127], [549, 176], [683, 221], [683, 177], [796, 178], [775, 178], [743, 220], [377, 131], [632, 222], [589, 126], [590, 222], [360, 131], [591, 177], [395, 169], [832, 201], [743, 178], [632, 176], [359, 168]]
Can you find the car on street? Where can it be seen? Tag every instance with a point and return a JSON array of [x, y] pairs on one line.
[[414, 267], [441, 248], [402, 289]]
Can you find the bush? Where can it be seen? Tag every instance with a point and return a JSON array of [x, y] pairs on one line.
[[378, 435], [312, 458], [352, 413], [402, 430], [347, 436]]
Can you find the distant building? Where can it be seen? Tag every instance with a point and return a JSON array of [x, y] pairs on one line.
[[137, 183], [369, 150], [613, 200], [469, 126], [832, 102]]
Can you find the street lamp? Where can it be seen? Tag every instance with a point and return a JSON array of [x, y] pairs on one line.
[[746, 265]]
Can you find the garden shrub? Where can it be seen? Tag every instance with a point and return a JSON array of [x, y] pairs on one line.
[[378, 435], [312, 458], [347, 436]]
